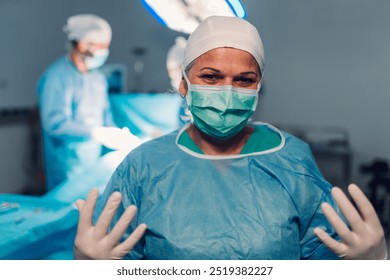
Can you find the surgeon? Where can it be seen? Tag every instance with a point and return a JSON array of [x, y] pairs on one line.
[[73, 101], [221, 187]]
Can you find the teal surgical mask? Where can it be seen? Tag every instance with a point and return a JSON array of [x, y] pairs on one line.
[[221, 111], [98, 59]]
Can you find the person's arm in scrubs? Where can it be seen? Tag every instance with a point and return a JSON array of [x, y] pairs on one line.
[[56, 106], [364, 239], [93, 242]]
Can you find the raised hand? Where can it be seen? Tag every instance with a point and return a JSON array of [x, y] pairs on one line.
[[365, 238], [94, 242]]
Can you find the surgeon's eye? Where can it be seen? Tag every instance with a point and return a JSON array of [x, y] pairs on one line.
[[245, 81], [210, 78]]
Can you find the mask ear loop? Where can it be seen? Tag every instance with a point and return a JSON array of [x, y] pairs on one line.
[[183, 72], [257, 96], [188, 95], [258, 87]]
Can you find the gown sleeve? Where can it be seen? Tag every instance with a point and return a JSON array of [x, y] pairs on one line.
[[56, 109]]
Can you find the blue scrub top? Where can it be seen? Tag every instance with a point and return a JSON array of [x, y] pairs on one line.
[[71, 104], [262, 205]]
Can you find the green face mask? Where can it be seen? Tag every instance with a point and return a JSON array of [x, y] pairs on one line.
[[221, 111]]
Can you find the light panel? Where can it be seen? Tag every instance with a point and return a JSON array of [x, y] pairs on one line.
[[185, 15]]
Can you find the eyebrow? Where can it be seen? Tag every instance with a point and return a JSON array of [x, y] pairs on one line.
[[210, 68], [218, 71], [249, 72]]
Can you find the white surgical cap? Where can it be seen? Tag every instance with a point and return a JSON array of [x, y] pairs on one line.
[[175, 54], [221, 31], [88, 27]]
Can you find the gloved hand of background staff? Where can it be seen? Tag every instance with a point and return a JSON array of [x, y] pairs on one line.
[[116, 138], [365, 238], [93, 242]]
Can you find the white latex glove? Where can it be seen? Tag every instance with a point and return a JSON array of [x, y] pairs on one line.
[[93, 242], [365, 240], [116, 138]]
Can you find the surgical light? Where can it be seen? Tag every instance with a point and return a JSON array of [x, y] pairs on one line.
[[185, 15]]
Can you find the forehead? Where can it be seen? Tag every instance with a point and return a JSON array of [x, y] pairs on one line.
[[227, 59]]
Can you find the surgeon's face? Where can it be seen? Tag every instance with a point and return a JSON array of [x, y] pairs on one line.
[[89, 48], [224, 66]]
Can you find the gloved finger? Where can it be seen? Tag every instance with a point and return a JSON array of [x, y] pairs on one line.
[[336, 247], [351, 214], [105, 219], [80, 204], [337, 223], [86, 213], [365, 207], [121, 226], [128, 245]]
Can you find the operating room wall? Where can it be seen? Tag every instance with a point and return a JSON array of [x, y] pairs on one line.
[[327, 64]]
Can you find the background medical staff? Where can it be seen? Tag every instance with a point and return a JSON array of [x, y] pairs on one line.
[[73, 100], [175, 58]]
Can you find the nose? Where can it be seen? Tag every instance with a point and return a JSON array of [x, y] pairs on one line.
[[228, 81]]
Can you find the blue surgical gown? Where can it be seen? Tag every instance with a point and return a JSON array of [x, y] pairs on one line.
[[256, 206], [71, 104]]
